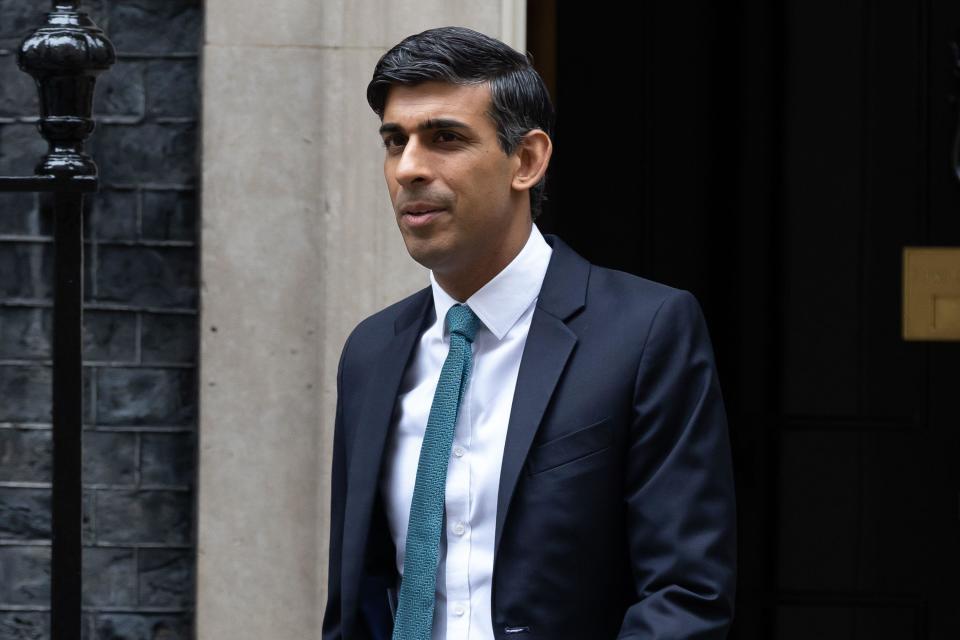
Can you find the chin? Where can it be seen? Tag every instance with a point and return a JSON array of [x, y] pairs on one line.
[[427, 254]]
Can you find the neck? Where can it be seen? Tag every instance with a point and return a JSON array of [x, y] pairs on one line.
[[466, 282]]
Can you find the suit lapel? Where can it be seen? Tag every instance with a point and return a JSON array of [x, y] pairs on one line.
[[549, 345], [371, 433]]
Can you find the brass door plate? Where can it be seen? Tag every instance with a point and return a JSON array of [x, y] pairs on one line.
[[931, 293]]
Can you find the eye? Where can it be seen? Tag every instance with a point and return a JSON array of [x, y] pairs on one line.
[[392, 142], [446, 136]]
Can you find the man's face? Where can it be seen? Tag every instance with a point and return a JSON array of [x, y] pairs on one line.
[[448, 178]]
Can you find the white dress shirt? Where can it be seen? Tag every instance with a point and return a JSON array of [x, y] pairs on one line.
[[505, 306]]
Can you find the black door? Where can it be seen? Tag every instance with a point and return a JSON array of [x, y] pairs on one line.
[[775, 158]]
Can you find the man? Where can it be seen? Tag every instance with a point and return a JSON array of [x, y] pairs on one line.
[[537, 445]]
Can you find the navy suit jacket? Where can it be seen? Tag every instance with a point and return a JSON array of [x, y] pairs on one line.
[[615, 515]]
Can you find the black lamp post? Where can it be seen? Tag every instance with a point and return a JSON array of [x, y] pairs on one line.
[[65, 56]]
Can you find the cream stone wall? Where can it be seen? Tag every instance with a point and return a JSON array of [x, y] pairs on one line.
[[298, 244]]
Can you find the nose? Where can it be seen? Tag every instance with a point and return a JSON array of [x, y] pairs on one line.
[[413, 165]]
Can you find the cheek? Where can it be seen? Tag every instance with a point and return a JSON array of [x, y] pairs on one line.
[[491, 180]]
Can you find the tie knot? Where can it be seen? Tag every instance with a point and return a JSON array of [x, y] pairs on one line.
[[461, 319]]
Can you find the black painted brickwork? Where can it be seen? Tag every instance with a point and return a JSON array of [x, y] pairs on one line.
[[140, 332]]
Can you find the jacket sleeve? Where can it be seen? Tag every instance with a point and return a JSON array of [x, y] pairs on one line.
[[332, 617], [679, 485]]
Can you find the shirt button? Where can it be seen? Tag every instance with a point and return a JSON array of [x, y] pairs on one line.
[[459, 610], [459, 528], [458, 451]]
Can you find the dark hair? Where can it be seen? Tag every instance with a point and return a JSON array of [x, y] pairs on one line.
[[519, 99]]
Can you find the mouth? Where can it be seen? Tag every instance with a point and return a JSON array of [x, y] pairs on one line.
[[420, 218]]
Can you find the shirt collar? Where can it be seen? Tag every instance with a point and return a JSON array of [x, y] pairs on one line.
[[501, 302]]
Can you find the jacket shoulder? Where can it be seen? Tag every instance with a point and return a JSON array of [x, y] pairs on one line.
[[628, 305], [373, 332], [610, 287]]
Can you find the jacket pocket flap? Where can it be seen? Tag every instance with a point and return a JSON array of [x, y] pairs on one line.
[[570, 447]]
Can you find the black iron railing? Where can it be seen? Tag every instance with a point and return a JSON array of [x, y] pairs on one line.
[[64, 56]]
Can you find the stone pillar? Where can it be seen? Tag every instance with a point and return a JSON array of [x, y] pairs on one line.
[[298, 244]]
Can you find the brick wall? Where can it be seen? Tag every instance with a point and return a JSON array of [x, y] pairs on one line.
[[140, 336]]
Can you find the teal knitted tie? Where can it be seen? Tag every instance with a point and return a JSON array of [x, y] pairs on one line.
[[414, 620]]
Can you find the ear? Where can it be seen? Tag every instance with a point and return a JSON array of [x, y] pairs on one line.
[[533, 155]]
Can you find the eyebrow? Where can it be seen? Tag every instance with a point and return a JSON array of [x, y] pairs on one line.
[[426, 125]]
